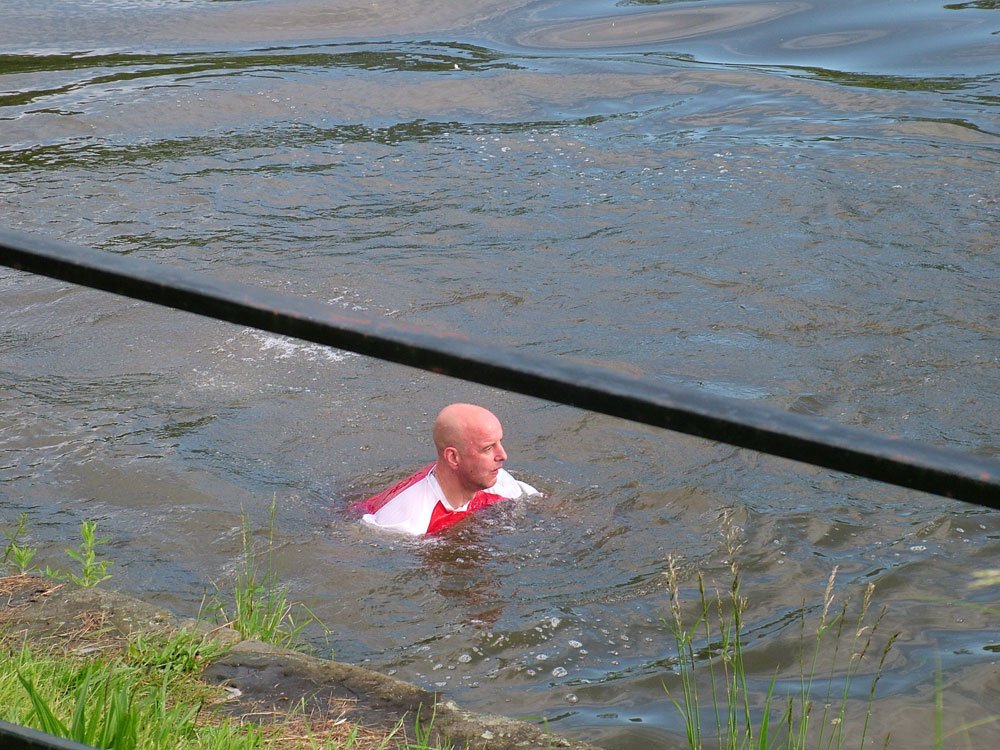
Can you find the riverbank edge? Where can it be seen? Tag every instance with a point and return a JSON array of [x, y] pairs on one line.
[[260, 675]]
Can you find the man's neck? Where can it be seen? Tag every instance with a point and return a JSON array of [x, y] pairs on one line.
[[456, 495]]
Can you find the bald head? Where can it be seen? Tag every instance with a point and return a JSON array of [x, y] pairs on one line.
[[457, 424]]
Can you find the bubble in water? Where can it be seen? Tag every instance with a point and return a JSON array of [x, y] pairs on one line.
[[541, 657], [571, 698], [465, 658], [559, 672], [575, 644]]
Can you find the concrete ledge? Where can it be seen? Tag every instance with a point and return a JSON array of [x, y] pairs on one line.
[[266, 679]]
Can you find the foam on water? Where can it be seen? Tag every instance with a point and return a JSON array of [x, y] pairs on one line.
[[282, 347]]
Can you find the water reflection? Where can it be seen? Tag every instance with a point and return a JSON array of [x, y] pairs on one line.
[[460, 565], [850, 35], [655, 27]]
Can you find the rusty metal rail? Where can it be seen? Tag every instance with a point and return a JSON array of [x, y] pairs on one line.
[[812, 440]]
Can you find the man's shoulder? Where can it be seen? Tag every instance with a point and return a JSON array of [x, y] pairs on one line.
[[410, 508], [422, 488], [383, 498], [509, 487]]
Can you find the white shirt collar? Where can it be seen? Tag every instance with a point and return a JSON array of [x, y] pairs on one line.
[[439, 493]]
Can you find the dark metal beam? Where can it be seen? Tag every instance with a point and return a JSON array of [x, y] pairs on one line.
[[812, 440], [14, 737]]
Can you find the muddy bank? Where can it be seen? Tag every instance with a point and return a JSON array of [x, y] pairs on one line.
[[262, 679]]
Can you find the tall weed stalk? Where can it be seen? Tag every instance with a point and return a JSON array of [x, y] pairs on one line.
[[92, 570], [16, 554], [713, 642], [259, 606]]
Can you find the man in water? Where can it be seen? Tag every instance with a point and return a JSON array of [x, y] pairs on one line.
[[468, 475]]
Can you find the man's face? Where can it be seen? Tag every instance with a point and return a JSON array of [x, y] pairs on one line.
[[482, 454]]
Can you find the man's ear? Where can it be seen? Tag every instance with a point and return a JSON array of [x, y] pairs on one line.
[[451, 456]]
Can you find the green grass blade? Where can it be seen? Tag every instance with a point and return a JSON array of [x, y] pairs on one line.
[[46, 719]]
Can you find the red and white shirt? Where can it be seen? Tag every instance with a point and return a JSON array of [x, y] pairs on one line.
[[417, 505]]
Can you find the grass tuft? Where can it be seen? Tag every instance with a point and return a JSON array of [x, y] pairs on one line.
[[16, 555], [258, 605], [812, 712], [148, 696], [179, 652]]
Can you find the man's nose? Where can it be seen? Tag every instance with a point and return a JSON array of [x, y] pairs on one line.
[[501, 454]]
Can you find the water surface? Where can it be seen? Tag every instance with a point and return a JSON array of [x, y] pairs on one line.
[[789, 202]]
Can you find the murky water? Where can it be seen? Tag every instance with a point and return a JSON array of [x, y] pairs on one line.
[[791, 202]]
